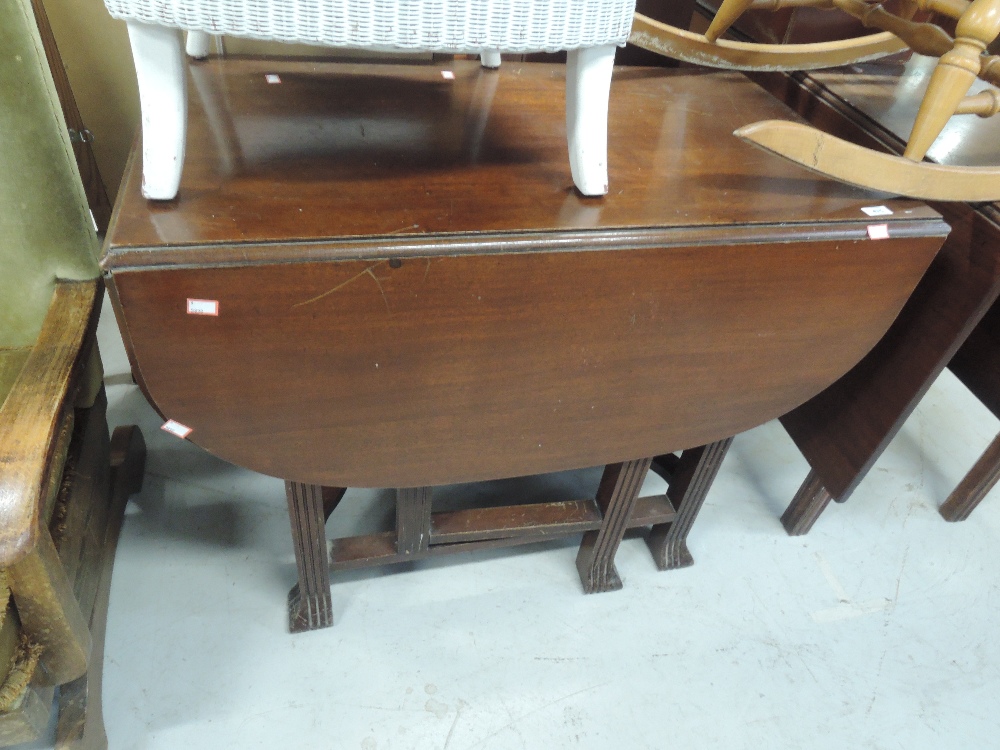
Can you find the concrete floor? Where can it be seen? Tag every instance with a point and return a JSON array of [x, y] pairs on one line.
[[877, 630]]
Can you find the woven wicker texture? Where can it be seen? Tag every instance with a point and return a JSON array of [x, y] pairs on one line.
[[458, 26]]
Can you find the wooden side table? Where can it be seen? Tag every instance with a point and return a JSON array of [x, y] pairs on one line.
[[844, 429], [381, 276]]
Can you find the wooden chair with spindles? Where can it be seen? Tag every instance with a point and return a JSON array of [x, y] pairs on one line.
[[63, 483]]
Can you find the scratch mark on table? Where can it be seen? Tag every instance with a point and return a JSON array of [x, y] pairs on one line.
[[368, 271]]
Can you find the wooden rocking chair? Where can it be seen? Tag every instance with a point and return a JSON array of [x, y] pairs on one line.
[[963, 59]]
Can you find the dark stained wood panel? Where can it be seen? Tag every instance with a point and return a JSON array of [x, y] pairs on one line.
[[403, 302], [378, 151], [486, 366]]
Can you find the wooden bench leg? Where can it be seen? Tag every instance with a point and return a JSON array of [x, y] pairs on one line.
[[616, 498], [81, 722], [49, 611], [309, 604], [413, 520], [690, 481], [807, 505], [975, 485]]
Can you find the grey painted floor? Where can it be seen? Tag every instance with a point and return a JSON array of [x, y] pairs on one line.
[[877, 630]]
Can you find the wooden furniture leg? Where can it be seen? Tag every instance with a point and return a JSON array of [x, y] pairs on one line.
[[413, 520], [974, 487], [309, 603], [616, 498], [48, 609], [81, 723], [331, 499], [690, 481], [811, 499]]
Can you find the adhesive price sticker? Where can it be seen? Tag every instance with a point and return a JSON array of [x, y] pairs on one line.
[[877, 210], [878, 231], [272, 78], [176, 428], [202, 306]]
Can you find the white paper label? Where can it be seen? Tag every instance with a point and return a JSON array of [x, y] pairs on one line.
[[272, 78], [877, 210], [447, 75], [878, 231], [176, 428], [203, 307]]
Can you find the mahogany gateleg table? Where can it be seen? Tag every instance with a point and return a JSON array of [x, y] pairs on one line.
[[410, 293]]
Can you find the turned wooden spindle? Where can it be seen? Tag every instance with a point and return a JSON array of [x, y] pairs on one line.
[[728, 13], [951, 8], [990, 69], [922, 38], [776, 5], [956, 71], [985, 104]]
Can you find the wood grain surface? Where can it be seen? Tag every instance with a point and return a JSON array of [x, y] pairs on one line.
[[374, 151], [712, 290], [32, 413]]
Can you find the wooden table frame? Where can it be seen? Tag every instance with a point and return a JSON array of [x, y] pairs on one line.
[[421, 533], [418, 332]]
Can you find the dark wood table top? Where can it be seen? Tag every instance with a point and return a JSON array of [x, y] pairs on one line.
[[410, 291], [369, 152]]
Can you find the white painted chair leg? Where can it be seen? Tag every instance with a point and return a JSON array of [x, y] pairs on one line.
[[490, 58], [159, 68], [199, 44], [588, 84]]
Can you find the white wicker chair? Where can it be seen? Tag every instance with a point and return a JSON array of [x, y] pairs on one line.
[[589, 30]]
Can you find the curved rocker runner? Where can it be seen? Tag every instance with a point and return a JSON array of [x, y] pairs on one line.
[[963, 59]]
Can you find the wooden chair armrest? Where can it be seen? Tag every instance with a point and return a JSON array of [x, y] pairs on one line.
[[29, 418]]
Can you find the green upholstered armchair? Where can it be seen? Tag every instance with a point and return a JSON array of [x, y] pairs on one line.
[[63, 483]]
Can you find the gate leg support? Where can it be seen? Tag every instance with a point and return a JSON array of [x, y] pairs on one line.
[[309, 603], [689, 485], [616, 497]]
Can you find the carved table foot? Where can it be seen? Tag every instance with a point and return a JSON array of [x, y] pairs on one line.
[[690, 481], [309, 604], [616, 497]]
